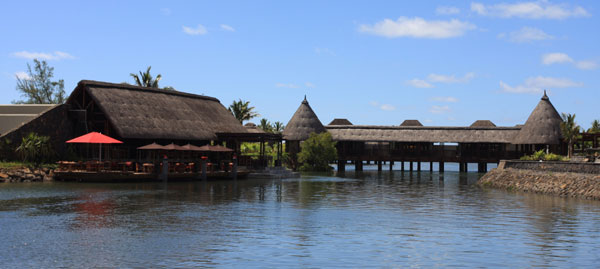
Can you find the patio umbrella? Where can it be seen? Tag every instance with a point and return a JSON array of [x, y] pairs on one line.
[[95, 138], [152, 146], [216, 148]]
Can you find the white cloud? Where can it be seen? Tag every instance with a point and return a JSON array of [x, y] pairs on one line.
[[443, 10], [526, 35], [554, 58], [446, 99], [529, 10], [439, 109], [57, 55], [450, 78], [199, 30], [286, 85], [22, 75], [417, 28], [586, 65], [227, 28], [309, 84], [166, 11], [563, 58], [538, 84], [384, 107], [324, 51], [419, 83]]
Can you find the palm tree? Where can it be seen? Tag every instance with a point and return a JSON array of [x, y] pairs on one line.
[[595, 127], [570, 130], [145, 79], [265, 125], [242, 111], [278, 127]]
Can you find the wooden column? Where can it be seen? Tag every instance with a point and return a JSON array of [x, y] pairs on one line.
[[402, 166], [341, 165], [411, 166], [441, 167], [418, 166], [391, 165], [430, 166], [379, 166], [358, 165]]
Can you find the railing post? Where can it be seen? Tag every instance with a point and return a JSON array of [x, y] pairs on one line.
[[204, 167]]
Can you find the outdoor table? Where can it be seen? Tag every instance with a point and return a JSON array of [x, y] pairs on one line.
[[148, 167]]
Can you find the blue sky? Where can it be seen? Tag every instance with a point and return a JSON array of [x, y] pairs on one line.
[[445, 63]]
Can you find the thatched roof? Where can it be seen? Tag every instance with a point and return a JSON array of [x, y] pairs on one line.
[[149, 113], [542, 126], [340, 122], [423, 134], [304, 122], [411, 123], [252, 128], [483, 123]]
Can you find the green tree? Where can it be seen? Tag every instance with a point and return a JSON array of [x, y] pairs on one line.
[[317, 152], [38, 88], [35, 148], [265, 125], [595, 127], [242, 110], [278, 127], [145, 79], [570, 130]]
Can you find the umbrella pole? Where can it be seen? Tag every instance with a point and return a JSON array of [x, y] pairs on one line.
[[100, 157]]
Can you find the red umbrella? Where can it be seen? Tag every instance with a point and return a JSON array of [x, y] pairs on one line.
[[95, 138]]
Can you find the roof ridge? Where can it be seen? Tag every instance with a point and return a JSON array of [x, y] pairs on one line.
[[102, 84]]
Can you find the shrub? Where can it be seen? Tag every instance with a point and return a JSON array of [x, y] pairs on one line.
[[35, 149], [542, 156], [317, 152]]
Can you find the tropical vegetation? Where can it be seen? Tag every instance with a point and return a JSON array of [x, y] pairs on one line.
[[35, 149], [317, 152], [145, 79], [242, 110], [570, 130], [595, 127], [541, 155], [37, 87]]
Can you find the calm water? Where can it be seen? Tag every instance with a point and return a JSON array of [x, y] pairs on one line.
[[368, 220]]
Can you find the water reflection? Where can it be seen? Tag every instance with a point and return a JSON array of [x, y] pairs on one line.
[[367, 218]]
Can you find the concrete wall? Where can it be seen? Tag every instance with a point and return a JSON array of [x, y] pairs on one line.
[[589, 168]]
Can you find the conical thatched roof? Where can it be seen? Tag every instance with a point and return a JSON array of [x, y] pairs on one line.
[[340, 122], [542, 126], [252, 128], [483, 123], [304, 122], [411, 123]]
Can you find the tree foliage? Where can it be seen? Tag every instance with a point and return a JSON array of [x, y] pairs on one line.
[[242, 110], [265, 125], [595, 127], [145, 79], [570, 130], [35, 148], [38, 88], [317, 152], [278, 127]]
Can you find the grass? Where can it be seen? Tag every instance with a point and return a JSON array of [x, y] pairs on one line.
[[16, 165]]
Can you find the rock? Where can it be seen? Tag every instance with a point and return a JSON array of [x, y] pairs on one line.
[[3, 175]]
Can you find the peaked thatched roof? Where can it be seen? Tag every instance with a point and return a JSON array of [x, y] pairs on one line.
[[304, 122], [483, 123], [542, 126], [411, 123], [149, 113], [252, 128], [340, 122]]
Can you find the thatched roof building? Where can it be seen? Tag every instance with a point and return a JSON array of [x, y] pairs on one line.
[[340, 122], [542, 126], [411, 123], [252, 128], [132, 112], [483, 123], [423, 134], [303, 123]]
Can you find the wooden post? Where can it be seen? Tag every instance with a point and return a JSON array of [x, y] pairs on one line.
[[430, 166], [411, 166], [402, 166], [203, 177], [341, 165], [379, 168], [441, 167], [234, 168], [391, 165], [418, 166], [358, 165]]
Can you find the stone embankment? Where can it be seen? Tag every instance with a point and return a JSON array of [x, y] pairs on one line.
[[25, 174], [568, 184]]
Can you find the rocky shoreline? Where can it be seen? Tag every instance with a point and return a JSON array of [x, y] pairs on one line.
[[26, 174], [566, 184]]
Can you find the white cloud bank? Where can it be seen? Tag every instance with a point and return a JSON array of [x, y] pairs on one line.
[[439, 109], [538, 84], [563, 58], [227, 28], [529, 10], [57, 55], [444, 99], [438, 78], [417, 28], [526, 35], [384, 107], [419, 83], [199, 30], [444, 10]]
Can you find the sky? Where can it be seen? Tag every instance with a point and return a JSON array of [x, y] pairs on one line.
[[444, 63]]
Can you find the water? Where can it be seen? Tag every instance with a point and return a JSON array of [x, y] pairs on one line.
[[367, 220]]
